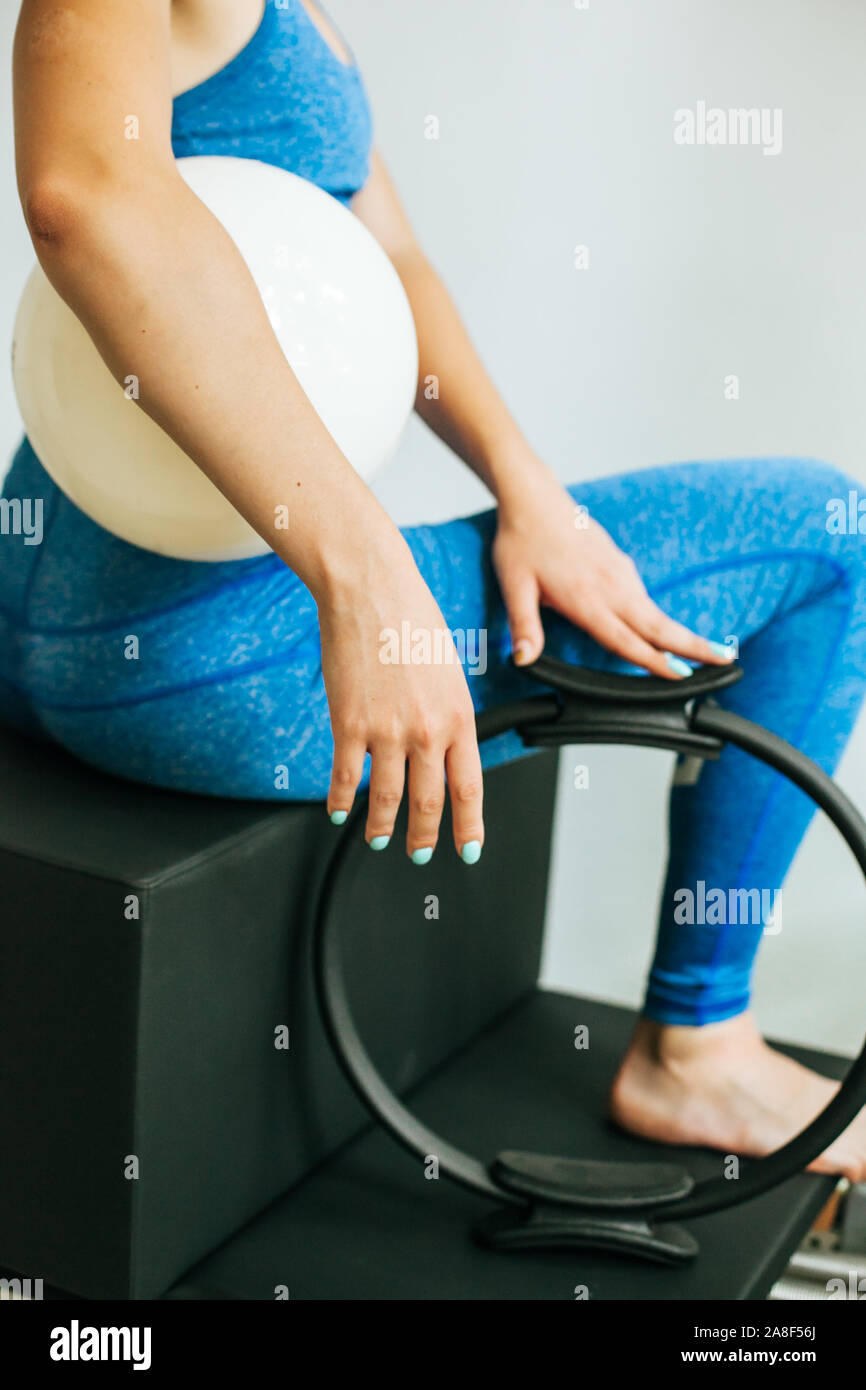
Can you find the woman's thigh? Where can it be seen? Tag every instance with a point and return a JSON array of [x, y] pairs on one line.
[[721, 546], [234, 703]]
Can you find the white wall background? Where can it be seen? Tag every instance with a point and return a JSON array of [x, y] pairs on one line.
[[556, 129]]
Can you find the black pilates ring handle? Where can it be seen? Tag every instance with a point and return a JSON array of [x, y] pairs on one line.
[[629, 708]]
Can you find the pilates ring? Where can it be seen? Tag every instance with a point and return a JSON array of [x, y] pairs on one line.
[[552, 1201]]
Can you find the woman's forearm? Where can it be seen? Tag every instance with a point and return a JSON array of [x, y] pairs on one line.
[[167, 297], [456, 396]]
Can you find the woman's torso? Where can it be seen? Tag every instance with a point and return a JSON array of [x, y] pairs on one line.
[[274, 83]]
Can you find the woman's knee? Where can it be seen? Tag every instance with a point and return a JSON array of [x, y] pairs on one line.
[[816, 487], [793, 503]]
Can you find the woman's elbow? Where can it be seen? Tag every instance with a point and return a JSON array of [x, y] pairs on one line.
[[55, 212], [70, 216]]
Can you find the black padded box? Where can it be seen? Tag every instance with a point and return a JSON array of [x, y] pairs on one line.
[[154, 950]]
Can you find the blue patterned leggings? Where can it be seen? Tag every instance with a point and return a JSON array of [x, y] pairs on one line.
[[208, 678]]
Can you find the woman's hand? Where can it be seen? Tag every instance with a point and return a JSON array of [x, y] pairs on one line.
[[548, 551], [398, 709]]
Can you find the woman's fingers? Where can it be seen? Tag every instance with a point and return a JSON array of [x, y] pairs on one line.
[[427, 773], [387, 776], [466, 793], [345, 775], [427, 770], [426, 802], [649, 620], [521, 597], [616, 635]]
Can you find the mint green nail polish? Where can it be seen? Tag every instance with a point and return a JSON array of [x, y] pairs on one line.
[[422, 856], [471, 852], [339, 817], [680, 668], [380, 841], [722, 649]]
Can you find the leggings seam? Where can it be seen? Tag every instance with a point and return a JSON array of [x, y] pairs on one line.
[[268, 662], [221, 677], [116, 625], [773, 793], [739, 562], [729, 562], [742, 561]]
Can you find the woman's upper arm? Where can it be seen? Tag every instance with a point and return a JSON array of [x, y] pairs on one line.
[[93, 99]]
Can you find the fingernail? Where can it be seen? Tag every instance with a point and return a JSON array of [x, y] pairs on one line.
[[521, 653], [471, 852], [379, 841], [422, 856], [722, 649], [680, 668], [339, 817]]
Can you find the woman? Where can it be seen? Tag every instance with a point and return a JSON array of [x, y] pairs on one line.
[[248, 665]]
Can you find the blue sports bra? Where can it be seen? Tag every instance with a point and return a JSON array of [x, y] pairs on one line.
[[286, 98]]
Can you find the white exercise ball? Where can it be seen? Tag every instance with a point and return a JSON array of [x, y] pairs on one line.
[[342, 318]]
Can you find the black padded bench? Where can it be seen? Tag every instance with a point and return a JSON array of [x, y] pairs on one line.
[[161, 1140]]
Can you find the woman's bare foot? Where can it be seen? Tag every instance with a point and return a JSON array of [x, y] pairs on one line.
[[722, 1087]]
